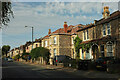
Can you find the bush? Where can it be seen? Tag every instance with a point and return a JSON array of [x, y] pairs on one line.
[[40, 52], [25, 56]]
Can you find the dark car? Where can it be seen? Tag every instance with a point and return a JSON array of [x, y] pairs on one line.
[[61, 59], [103, 62]]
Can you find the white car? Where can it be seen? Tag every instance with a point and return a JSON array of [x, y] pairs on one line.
[[10, 60]]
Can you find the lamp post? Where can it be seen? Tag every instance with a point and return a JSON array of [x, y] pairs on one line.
[[32, 35]]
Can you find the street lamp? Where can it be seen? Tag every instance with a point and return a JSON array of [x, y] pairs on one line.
[[32, 35]]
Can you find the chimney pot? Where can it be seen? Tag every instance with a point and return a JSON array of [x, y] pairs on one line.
[[49, 31], [65, 27]]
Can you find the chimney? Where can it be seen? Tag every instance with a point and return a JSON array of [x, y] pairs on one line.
[[49, 31], [65, 27], [106, 12]]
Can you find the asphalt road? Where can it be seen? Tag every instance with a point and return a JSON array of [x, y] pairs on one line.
[[19, 70], [22, 70]]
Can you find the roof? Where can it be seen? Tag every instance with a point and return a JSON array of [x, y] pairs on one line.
[[112, 16], [46, 36], [86, 27]]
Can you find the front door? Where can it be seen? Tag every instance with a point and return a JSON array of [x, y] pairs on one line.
[[95, 52]]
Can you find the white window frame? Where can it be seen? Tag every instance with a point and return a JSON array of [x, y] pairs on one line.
[[104, 30], [87, 53], [87, 34], [55, 40], [42, 44], [46, 43], [84, 35], [108, 52], [108, 29]]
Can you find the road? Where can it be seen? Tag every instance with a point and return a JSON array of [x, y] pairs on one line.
[[22, 70]]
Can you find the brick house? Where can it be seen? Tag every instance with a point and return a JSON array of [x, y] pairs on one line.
[[104, 35]]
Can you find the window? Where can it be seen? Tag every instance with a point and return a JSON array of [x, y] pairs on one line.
[[108, 29], [36, 45], [54, 52], [87, 35], [54, 40], [109, 49], [46, 43], [84, 35], [72, 40], [87, 54], [104, 30], [42, 44]]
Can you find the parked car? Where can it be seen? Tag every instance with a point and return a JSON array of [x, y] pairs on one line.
[[103, 62], [10, 60], [61, 59]]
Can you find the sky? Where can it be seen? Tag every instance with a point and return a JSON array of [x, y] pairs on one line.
[[48, 15]]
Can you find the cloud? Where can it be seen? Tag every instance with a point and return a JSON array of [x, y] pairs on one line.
[[43, 16]]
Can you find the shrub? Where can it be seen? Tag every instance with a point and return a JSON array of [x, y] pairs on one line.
[[25, 56], [40, 52]]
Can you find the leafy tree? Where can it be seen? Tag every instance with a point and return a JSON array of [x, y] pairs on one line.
[[6, 12], [40, 52], [25, 56], [77, 45], [5, 49]]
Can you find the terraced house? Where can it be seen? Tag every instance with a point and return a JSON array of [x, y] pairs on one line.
[[29, 45], [60, 42], [104, 35]]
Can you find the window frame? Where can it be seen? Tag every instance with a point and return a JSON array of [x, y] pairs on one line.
[[84, 35], [109, 53], [55, 40], [104, 30], [87, 34], [108, 29], [46, 43]]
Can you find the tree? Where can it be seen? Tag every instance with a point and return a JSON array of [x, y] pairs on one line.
[[6, 12], [25, 56], [77, 45], [40, 52], [5, 49]]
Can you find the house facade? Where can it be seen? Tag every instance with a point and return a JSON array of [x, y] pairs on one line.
[[61, 41], [104, 35]]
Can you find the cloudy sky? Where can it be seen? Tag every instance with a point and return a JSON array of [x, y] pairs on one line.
[[48, 15]]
